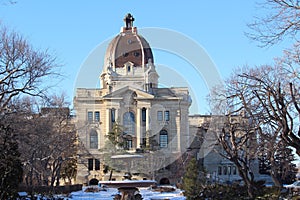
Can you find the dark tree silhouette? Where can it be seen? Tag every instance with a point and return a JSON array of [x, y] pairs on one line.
[[10, 163]]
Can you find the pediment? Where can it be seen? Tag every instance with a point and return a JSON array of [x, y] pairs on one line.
[[128, 63], [125, 91]]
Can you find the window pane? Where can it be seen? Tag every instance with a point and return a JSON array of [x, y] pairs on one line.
[[90, 164], [129, 144], [159, 115], [229, 170], [219, 170], [163, 139], [90, 116], [234, 170], [113, 113], [97, 164], [167, 115], [97, 116], [224, 170], [93, 139], [144, 114], [128, 68], [129, 123]]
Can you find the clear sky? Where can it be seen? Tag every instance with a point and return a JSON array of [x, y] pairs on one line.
[[73, 29]]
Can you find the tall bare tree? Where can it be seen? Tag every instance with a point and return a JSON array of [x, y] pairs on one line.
[[239, 145], [278, 85], [282, 20], [23, 70], [268, 97], [236, 133]]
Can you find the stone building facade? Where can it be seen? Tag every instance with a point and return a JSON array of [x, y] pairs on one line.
[[129, 96], [155, 121]]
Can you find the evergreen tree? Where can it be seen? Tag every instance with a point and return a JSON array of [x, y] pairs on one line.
[[114, 144], [191, 181], [10, 164], [116, 137]]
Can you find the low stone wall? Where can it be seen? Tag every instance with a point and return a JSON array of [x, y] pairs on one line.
[[66, 189]]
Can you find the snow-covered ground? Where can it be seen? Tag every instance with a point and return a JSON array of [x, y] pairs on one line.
[[109, 194]]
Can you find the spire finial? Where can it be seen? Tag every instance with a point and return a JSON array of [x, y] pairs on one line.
[[128, 21]]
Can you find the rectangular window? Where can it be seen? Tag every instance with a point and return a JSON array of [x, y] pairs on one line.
[[229, 170], [93, 139], [90, 116], [224, 170], [97, 164], [90, 164], [219, 170], [167, 115], [163, 141], [113, 115], [159, 115], [129, 144], [234, 170], [144, 114], [128, 68], [97, 116]]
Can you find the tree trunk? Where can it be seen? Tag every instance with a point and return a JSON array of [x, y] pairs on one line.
[[244, 174], [58, 175], [110, 175], [274, 172], [248, 182]]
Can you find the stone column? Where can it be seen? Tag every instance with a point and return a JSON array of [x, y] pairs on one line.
[[178, 119], [147, 119], [108, 119], [138, 128], [147, 134], [116, 114]]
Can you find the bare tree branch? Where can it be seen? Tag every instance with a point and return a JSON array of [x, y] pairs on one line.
[[23, 70], [282, 20]]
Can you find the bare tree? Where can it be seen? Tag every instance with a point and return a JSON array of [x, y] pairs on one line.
[[274, 156], [282, 20], [237, 139], [47, 141], [23, 70], [236, 134], [268, 98], [276, 91], [278, 86]]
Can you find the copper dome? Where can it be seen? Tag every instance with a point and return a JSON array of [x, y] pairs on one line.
[[128, 46]]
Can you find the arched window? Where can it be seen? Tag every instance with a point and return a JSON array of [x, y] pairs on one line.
[[93, 139], [129, 123], [163, 139]]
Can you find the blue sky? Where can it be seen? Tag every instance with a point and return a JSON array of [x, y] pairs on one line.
[[73, 29]]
